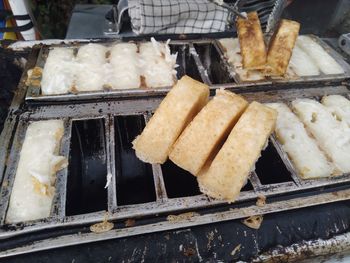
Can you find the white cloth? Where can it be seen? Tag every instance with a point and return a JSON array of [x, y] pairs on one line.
[[177, 16]]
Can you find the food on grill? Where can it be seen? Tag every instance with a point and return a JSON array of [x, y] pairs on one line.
[[339, 106], [251, 41], [125, 68], [321, 58], [307, 158], [33, 187], [281, 47], [224, 177], [308, 58], [58, 73], [157, 64], [177, 109], [90, 74], [234, 58], [97, 67], [203, 136], [301, 64], [332, 135]]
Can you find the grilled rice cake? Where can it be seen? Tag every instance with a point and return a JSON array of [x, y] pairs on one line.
[[157, 64], [58, 74], [332, 135], [303, 150], [234, 58], [339, 106], [324, 61], [302, 64], [124, 61], [33, 188], [91, 64], [281, 47], [203, 136], [177, 109], [224, 177], [251, 40]]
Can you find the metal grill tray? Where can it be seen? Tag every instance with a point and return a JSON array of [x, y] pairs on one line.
[[97, 142], [202, 60], [319, 78]]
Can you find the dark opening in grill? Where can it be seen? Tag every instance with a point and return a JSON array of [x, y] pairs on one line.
[[186, 62], [134, 177], [178, 182], [215, 66], [270, 167], [87, 168]]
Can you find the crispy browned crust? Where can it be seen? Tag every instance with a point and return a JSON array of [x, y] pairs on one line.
[[175, 112], [251, 41], [226, 174], [281, 47]]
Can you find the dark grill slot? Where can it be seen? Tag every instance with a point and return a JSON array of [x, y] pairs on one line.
[[216, 68], [178, 182], [247, 187], [87, 168], [134, 178], [270, 167], [186, 62]]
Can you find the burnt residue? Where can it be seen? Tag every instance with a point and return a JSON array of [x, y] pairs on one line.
[[87, 170], [134, 178]]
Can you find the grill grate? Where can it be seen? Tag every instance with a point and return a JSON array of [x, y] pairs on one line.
[[117, 122]]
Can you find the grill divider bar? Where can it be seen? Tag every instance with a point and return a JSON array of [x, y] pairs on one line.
[[58, 207], [286, 160], [255, 181], [201, 68], [5, 142], [158, 179], [159, 183], [110, 140]]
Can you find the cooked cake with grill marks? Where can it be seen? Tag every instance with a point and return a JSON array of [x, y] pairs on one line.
[[251, 40], [281, 47]]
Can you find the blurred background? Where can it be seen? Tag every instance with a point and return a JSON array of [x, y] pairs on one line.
[[53, 16], [53, 19]]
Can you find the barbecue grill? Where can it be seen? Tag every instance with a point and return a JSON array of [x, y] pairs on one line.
[[99, 129]]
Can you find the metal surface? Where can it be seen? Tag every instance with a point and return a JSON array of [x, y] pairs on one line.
[[275, 16], [196, 220], [203, 60], [344, 43], [232, 9], [274, 177], [319, 247], [114, 27]]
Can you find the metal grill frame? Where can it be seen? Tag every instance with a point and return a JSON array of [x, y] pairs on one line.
[[33, 94], [317, 191], [163, 205]]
